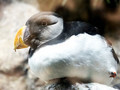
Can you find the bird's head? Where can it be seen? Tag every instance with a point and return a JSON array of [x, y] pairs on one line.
[[39, 29]]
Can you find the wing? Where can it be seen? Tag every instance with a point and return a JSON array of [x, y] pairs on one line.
[[115, 56], [77, 27]]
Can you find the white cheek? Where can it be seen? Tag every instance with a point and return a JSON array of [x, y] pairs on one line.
[[57, 28], [52, 31]]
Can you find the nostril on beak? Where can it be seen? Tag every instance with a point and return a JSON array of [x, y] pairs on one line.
[[113, 74]]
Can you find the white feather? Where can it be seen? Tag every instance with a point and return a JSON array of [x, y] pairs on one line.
[[82, 56]]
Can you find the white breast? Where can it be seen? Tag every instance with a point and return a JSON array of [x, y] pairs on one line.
[[82, 56]]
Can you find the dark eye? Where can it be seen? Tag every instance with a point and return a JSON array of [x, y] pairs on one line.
[[44, 23]]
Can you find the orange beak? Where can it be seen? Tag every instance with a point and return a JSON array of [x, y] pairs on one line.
[[18, 41]]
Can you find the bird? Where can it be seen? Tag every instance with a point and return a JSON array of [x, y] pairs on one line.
[[60, 50]]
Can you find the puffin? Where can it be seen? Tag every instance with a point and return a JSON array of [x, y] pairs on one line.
[[74, 51]]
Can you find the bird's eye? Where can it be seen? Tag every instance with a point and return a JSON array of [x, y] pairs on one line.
[[44, 23]]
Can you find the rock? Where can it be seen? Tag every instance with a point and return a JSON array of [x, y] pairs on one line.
[[117, 86], [8, 82], [14, 16], [33, 83], [94, 86], [13, 68], [89, 86]]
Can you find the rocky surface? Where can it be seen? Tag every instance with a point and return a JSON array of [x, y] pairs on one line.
[[12, 82], [77, 86], [12, 64]]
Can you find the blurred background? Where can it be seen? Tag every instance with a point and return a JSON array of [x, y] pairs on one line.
[[14, 70]]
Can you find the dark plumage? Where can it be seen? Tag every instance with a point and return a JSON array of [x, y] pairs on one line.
[[77, 27]]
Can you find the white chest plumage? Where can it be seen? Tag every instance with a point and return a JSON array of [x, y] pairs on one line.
[[82, 56]]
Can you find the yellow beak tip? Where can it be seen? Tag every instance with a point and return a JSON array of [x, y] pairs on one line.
[[18, 41]]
